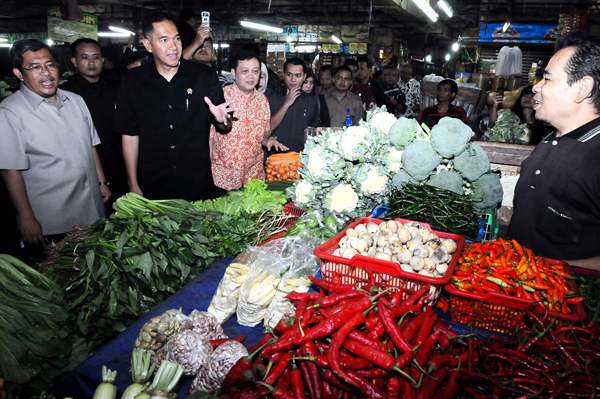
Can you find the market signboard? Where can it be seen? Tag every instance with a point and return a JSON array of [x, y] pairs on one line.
[[518, 32], [70, 30]]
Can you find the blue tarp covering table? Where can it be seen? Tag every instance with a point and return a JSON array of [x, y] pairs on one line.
[[116, 355]]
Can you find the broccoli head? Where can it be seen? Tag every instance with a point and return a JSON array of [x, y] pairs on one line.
[[401, 178], [450, 137], [403, 131], [419, 159], [447, 180], [487, 191], [472, 163]]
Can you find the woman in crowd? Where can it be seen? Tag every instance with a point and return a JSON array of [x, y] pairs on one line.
[[309, 87]]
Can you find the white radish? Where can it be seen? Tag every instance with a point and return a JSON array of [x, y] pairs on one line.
[[106, 390]]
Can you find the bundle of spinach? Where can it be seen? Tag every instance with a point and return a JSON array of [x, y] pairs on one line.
[[444, 210], [34, 338]]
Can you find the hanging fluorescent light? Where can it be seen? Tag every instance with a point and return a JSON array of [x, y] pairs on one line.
[[428, 58], [8, 45], [3, 39], [253, 25], [426, 8], [113, 34], [50, 42], [447, 58], [336, 40], [224, 45], [288, 39], [506, 26], [444, 6], [455, 47], [121, 30]]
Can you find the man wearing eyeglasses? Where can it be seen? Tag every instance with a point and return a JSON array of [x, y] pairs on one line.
[[47, 157], [341, 102]]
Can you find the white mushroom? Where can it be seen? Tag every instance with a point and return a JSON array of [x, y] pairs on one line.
[[360, 245], [442, 268], [372, 228], [351, 233], [383, 225], [404, 235], [415, 242], [441, 255], [404, 255], [386, 232], [361, 228], [367, 237], [434, 244], [421, 251], [385, 250], [434, 236], [344, 242], [426, 234], [416, 263], [395, 259], [349, 253], [406, 268], [414, 231], [371, 252], [383, 256], [450, 245], [429, 264], [382, 241], [396, 246], [352, 241], [425, 272], [336, 252], [393, 225], [394, 238]]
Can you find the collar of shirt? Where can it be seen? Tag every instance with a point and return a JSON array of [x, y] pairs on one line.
[[35, 99], [582, 133], [240, 95], [183, 69]]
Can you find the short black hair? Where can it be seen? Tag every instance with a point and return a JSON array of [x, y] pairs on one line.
[[243, 55], [82, 40], [327, 68], [366, 60], [377, 74], [253, 48], [294, 61], [150, 19], [136, 56], [451, 82], [20, 47], [186, 14], [351, 61], [585, 61], [343, 68], [391, 66]]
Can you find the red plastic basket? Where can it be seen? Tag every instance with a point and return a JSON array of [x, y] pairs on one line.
[[291, 209], [386, 274], [503, 313]]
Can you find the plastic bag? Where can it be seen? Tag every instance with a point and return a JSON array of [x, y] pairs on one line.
[[188, 348], [224, 302], [260, 285], [509, 61], [207, 324], [312, 224], [303, 263], [213, 372], [157, 331]]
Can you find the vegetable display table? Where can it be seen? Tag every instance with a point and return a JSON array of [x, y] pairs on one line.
[[116, 355]]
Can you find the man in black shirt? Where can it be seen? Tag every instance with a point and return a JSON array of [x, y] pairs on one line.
[[187, 26], [365, 66], [164, 112], [296, 111], [100, 95], [557, 197]]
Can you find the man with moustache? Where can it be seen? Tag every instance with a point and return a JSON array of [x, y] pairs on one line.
[[100, 96], [238, 156], [47, 158], [557, 197], [164, 111], [341, 103]]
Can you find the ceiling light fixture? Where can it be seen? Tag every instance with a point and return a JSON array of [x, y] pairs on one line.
[[121, 30], [447, 57], [426, 8], [224, 45], [428, 58], [3, 39], [50, 42], [8, 45], [444, 6], [288, 39], [336, 40], [113, 34], [455, 47], [506, 26], [253, 25]]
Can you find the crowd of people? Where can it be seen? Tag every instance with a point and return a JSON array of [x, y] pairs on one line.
[[174, 128]]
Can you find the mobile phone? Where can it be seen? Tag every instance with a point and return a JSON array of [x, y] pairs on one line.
[[206, 18]]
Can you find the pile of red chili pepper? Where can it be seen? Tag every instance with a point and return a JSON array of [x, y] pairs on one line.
[[546, 362], [506, 267], [353, 343]]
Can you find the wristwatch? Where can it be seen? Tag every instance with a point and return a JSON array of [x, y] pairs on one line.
[[104, 183]]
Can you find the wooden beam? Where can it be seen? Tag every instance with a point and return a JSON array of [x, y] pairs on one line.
[[506, 153]]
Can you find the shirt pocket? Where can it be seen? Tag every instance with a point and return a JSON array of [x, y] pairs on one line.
[[558, 225]]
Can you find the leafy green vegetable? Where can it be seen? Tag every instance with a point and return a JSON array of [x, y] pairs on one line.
[[508, 129]]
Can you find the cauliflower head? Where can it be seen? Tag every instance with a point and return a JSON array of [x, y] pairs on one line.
[[450, 137], [447, 180], [342, 199], [392, 159], [353, 142], [401, 178], [383, 121], [301, 192], [371, 180], [472, 163], [487, 191], [403, 131], [419, 159], [322, 164]]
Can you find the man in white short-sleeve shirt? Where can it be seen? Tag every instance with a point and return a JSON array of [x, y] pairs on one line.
[[47, 156]]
